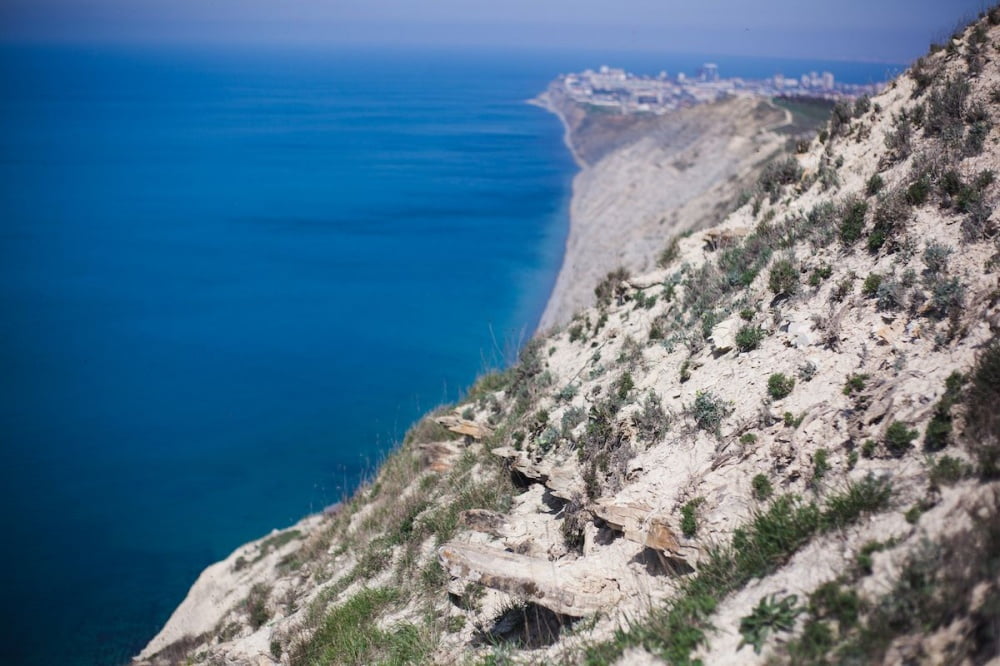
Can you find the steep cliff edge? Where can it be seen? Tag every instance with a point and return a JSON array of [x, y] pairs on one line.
[[783, 447]]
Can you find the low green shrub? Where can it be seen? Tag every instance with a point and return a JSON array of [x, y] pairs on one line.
[[946, 471], [749, 337], [918, 191], [898, 438], [821, 463], [779, 385], [256, 605], [819, 274], [689, 517], [871, 285], [709, 411], [784, 277], [770, 616], [868, 448], [874, 185], [982, 415], [762, 489], [864, 558], [777, 174], [938, 433]]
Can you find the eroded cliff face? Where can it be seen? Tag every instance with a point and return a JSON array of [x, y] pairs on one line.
[[783, 447], [649, 178]]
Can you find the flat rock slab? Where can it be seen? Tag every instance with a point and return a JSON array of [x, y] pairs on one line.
[[458, 425], [562, 479], [481, 520], [638, 523], [568, 588]]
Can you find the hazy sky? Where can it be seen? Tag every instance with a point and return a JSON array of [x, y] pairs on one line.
[[890, 30]]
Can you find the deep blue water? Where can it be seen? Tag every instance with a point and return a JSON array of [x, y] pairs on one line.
[[229, 280]]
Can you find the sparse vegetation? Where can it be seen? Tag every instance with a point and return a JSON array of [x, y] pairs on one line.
[[689, 517], [874, 185], [770, 615], [611, 287], [777, 174], [757, 549], [927, 596], [821, 464], [749, 337], [982, 416], [709, 411], [784, 277], [928, 304], [762, 489], [938, 433], [780, 386], [898, 438], [351, 635]]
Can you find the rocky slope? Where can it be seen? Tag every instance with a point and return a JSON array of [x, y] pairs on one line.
[[783, 447], [644, 179]]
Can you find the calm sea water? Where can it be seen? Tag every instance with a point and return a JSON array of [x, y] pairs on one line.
[[230, 281]]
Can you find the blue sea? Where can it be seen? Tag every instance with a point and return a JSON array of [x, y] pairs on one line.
[[230, 279]]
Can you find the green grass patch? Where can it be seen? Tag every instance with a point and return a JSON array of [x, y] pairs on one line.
[[762, 488], [780, 386], [898, 438], [749, 337], [770, 616], [350, 635], [757, 549], [938, 433], [689, 517]]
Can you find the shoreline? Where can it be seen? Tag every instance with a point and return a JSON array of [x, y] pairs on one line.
[[543, 101], [643, 180], [615, 214]]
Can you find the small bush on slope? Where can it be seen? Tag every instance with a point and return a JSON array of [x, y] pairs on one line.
[[749, 337], [709, 411], [784, 277], [983, 415], [780, 386]]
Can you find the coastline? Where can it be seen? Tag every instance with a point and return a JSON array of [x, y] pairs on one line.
[[579, 489], [643, 180], [543, 101], [619, 214]]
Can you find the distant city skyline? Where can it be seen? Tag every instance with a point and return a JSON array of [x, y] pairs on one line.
[[895, 31]]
